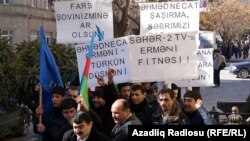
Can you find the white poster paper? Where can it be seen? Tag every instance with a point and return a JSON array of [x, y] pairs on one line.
[[205, 69], [142, 58], [169, 17], [76, 20]]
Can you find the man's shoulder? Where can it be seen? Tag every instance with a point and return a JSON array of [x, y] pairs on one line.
[[97, 136], [133, 120], [69, 135]]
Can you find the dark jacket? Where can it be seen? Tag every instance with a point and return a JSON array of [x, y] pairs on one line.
[[176, 117], [104, 112], [55, 125], [143, 111], [201, 117], [120, 131], [94, 135]]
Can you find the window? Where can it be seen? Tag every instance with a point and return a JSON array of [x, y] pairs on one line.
[[34, 3], [5, 1], [33, 36], [46, 4], [48, 37], [8, 35]]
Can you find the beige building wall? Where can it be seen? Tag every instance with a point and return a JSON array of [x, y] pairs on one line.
[[23, 17]]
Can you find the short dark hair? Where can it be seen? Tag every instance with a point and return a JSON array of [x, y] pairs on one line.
[[74, 88], [99, 91], [121, 85], [81, 116], [167, 90], [138, 87], [68, 103], [193, 94], [58, 90], [174, 86]]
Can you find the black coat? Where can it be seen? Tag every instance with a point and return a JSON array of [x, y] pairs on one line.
[[143, 111], [55, 125], [94, 135]]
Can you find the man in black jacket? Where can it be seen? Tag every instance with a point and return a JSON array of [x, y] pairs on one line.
[[83, 129], [52, 120], [195, 111]]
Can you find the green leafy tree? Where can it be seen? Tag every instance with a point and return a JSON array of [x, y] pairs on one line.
[[7, 69], [19, 68]]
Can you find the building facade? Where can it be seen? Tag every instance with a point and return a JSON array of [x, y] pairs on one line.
[[20, 20]]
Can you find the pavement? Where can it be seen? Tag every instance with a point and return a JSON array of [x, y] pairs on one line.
[[232, 89]]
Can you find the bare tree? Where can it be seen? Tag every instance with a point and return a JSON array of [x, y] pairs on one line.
[[230, 18], [127, 16]]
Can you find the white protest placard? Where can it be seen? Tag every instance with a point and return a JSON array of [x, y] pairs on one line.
[[106, 54], [162, 57], [205, 69], [140, 58], [76, 20], [169, 17]]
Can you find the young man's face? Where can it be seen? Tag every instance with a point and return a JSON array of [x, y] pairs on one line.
[[72, 94], [125, 92], [98, 101], [57, 100], [69, 113], [82, 130], [137, 96], [189, 104]]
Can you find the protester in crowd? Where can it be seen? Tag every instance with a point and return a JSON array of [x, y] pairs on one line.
[[52, 120], [124, 90], [139, 104], [83, 129], [153, 99], [146, 86], [177, 95], [193, 108], [171, 113], [72, 92], [102, 100], [69, 108], [123, 117]]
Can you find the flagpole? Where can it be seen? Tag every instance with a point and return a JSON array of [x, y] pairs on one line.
[[40, 103]]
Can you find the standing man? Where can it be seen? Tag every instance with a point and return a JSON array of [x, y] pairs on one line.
[[123, 117], [196, 113], [83, 129], [53, 119], [124, 90], [217, 60], [171, 113], [140, 105]]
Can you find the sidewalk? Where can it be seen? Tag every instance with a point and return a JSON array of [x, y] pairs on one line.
[[232, 89], [234, 60]]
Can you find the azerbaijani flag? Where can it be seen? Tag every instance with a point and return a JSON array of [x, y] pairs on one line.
[[84, 80]]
